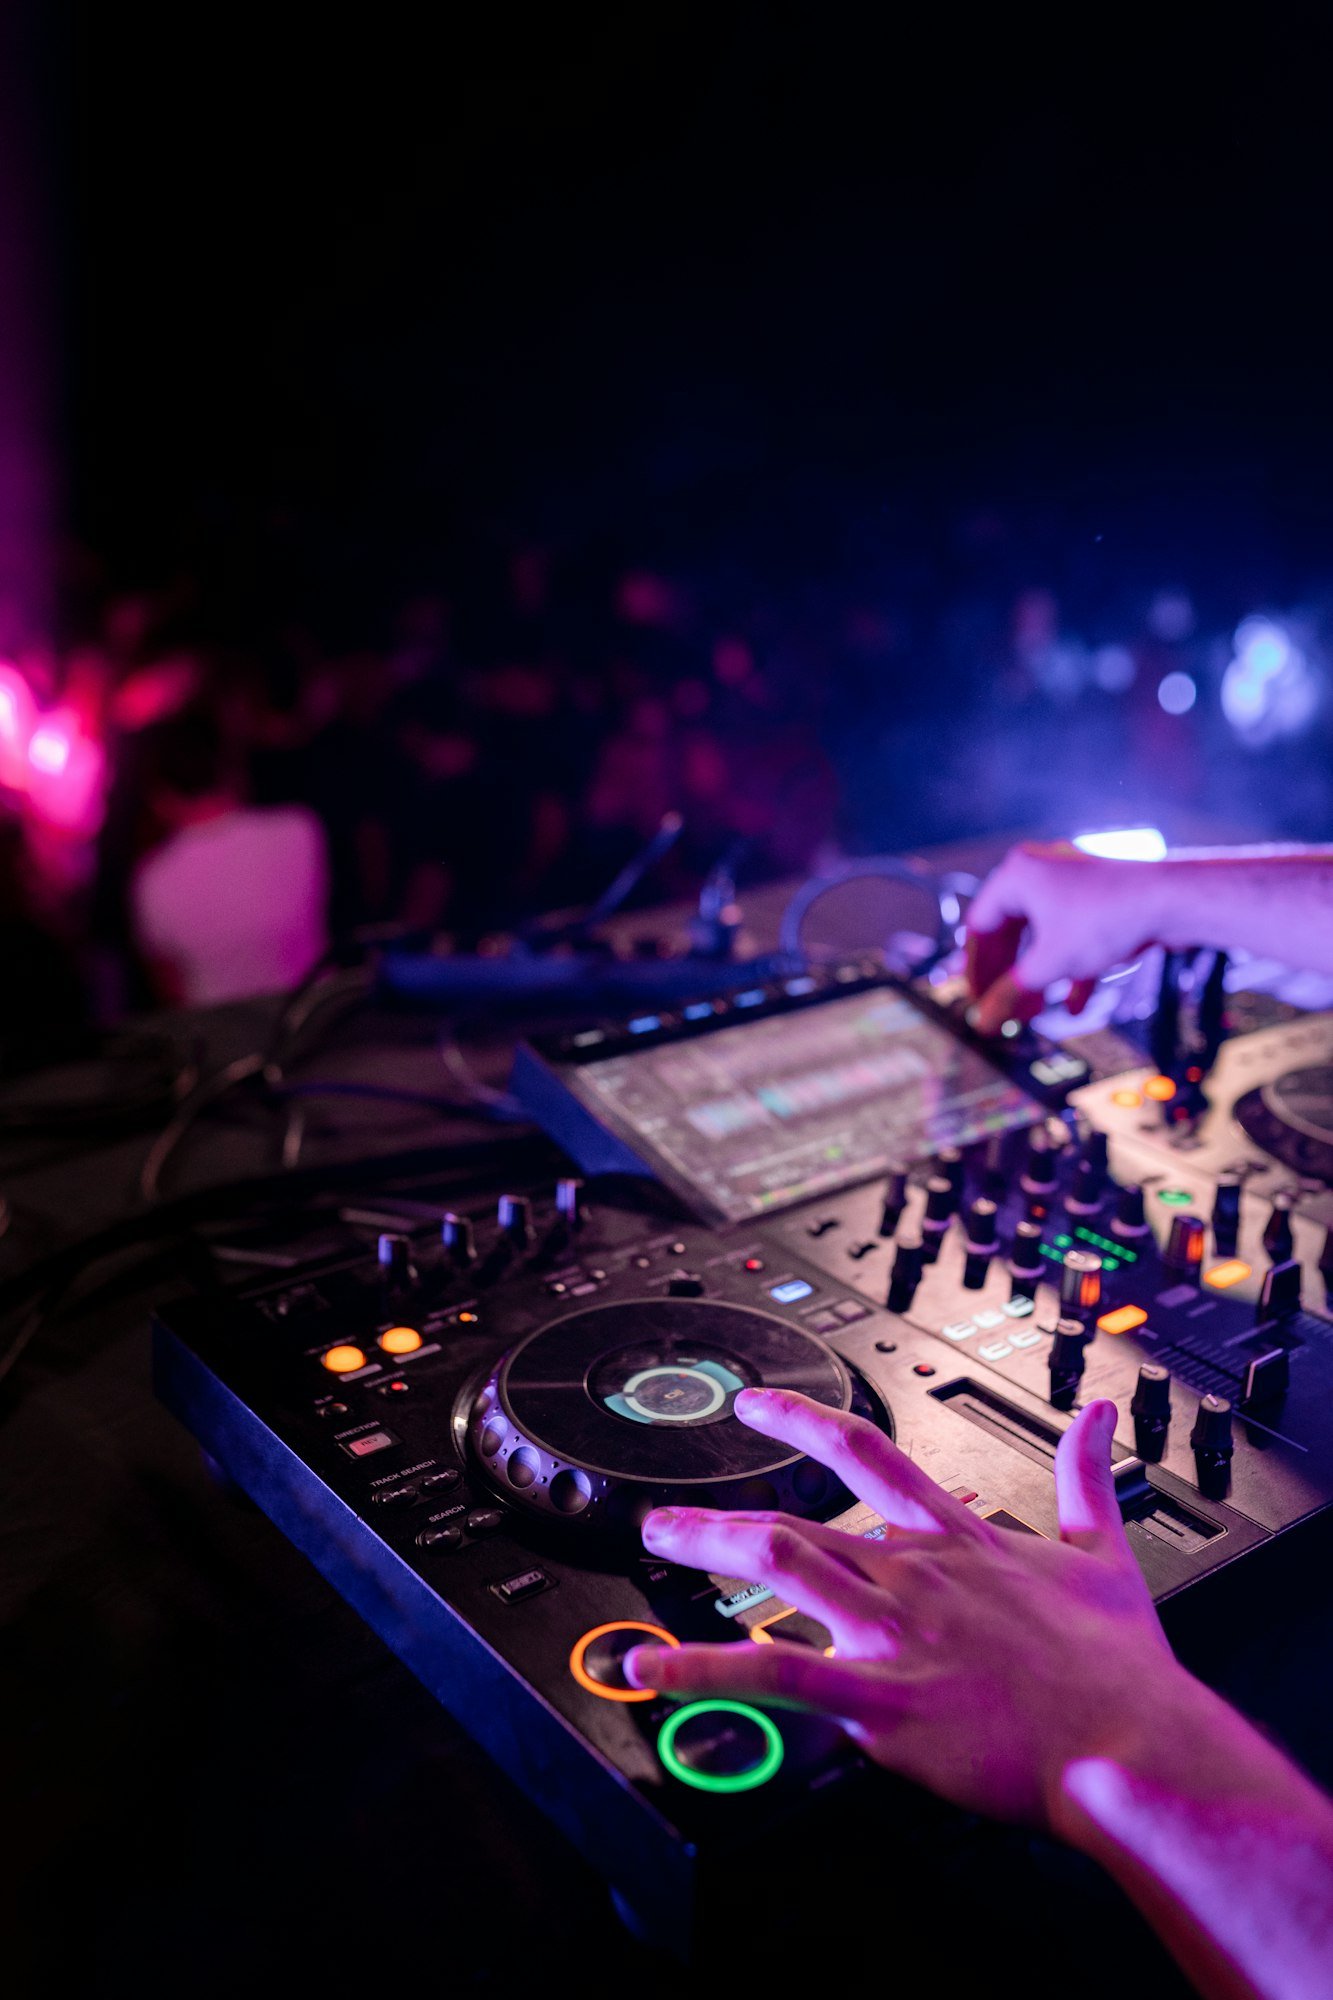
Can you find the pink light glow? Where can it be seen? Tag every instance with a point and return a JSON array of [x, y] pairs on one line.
[[49, 749], [66, 776], [17, 716]]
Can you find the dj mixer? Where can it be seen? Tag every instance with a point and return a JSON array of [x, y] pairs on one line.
[[461, 1415]]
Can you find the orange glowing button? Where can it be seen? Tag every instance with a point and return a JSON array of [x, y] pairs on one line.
[[596, 1659], [343, 1360], [1228, 1273], [1130, 1099], [400, 1340], [467, 1319], [1123, 1320], [1160, 1088]]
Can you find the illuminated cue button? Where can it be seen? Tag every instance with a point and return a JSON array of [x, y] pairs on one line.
[[1123, 1320], [343, 1360], [1129, 1100], [720, 1746], [597, 1661], [1160, 1089], [400, 1340], [1222, 1276]]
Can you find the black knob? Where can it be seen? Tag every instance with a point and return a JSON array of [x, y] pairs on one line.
[[685, 1285], [1280, 1292], [1211, 1442], [1065, 1361], [456, 1236], [982, 1223], [514, 1215], [895, 1201], [1025, 1250], [949, 1163], [908, 1263], [569, 1204], [1278, 1239], [1184, 1246], [1151, 1411], [1039, 1168], [1086, 1189], [941, 1200], [393, 1257], [1226, 1214], [1096, 1151], [1129, 1219], [994, 1179], [1080, 1283]]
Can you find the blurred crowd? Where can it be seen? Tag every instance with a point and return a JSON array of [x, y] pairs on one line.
[[188, 820], [193, 806]]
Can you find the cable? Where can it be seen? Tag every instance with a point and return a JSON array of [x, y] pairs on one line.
[[208, 1092]]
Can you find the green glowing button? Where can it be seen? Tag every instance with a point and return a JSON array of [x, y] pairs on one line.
[[1174, 1197], [720, 1746]]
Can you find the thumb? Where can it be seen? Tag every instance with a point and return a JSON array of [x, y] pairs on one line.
[[1085, 1496]]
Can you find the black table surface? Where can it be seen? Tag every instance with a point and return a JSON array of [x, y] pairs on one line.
[[217, 1780]]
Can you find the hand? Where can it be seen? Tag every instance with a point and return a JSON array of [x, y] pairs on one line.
[[1082, 914], [977, 1660]]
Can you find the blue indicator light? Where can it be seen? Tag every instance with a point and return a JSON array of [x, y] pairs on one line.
[[798, 986], [699, 1010], [754, 998], [790, 1290], [645, 1024]]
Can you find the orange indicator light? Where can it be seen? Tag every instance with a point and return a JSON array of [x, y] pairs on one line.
[[1160, 1088], [400, 1340], [467, 1319], [644, 1634], [1231, 1272], [1130, 1099], [343, 1360], [1123, 1320]]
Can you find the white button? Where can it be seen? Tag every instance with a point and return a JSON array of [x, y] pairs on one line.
[[959, 1330], [995, 1350]]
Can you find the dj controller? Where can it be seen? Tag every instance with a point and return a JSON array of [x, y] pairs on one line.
[[461, 1413]]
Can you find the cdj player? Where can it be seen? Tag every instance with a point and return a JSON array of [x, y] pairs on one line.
[[462, 1417]]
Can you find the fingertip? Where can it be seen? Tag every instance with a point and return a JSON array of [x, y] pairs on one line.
[[753, 1405], [642, 1666]]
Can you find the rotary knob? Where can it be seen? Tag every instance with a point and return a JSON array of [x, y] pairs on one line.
[[1025, 1261], [1211, 1443], [1278, 1239], [1184, 1246], [1089, 1182], [1129, 1218], [1151, 1411], [514, 1216], [908, 1263], [982, 1242], [1039, 1168], [941, 1201], [1080, 1283], [895, 1201], [1226, 1214], [949, 1163], [459, 1245], [393, 1260], [1066, 1360]]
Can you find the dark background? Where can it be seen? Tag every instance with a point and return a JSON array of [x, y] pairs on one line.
[[371, 293]]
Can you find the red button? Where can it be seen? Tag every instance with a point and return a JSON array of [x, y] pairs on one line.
[[754, 1263], [923, 1368]]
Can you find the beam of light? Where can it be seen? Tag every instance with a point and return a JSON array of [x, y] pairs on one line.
[[1124, 843], [66, 775], [17, 716]]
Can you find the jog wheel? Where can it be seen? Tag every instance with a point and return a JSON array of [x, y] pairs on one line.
[[1292, 1118], [611, 1411]]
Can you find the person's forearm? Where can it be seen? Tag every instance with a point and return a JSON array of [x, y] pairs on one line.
[[1276, 905], [1223, 1845]]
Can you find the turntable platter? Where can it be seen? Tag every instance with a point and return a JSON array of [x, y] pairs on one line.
[[1292, 1118], [630, 1402]]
